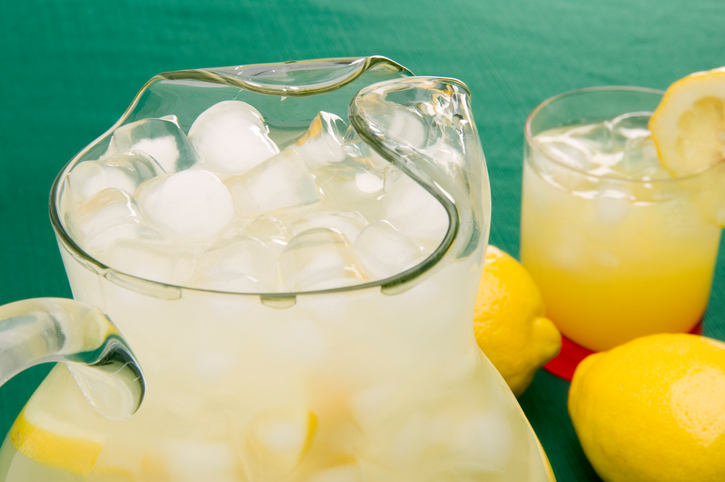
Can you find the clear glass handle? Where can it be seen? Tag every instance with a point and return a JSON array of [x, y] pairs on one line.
[[61, 330]]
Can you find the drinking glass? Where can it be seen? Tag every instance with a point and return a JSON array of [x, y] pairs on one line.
[[619, 248]]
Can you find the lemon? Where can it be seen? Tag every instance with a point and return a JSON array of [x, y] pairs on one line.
[[509, 321], [653, 409], [58, 428], [688, 126]]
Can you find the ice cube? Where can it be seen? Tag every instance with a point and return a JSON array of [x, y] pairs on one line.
[[125, 171], [631, 129], [101, 242], [340, 473], [408, 442], [570, 152], [108, 215], [392, 174], [350, 187], [359, 151], [188, 205], [319, 259], [280, 182], [613, 205], [243, 265], [277, 440], [368, 182], [569, 249], [322, 144], [298, 340], [195, 460], [384, 251], [371, 406], [234, 229], [486, 440], [405, 125], [212, 365], [138, 165], [270, 231], [162, 139], [152, 260], [596, 137], [640, 161], [414, 211], [90, 177], [605, 163], [444, 154], [349, 223], [231, 137]]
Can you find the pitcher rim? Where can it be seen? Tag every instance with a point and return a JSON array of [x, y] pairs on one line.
[[367, 62]]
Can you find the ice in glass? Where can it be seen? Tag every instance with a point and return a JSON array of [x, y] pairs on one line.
[[618, 246]]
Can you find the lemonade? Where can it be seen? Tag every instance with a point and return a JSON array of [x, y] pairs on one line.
[[619, 247], [301, 307]]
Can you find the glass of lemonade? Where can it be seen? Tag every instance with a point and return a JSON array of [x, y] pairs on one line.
[[618, 246], [293, 253]]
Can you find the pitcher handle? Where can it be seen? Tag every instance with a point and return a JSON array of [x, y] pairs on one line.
[[61, 330]]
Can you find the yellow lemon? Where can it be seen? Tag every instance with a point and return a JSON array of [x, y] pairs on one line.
[[509, 321], [653, 410], [58, 428], [688, 126]]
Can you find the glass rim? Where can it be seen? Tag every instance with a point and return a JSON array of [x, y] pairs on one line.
[[531, 140], [388, 284]]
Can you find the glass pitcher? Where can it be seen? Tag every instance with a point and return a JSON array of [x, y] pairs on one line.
[[376, 381]]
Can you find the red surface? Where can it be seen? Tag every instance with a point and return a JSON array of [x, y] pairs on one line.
[[571, 355]]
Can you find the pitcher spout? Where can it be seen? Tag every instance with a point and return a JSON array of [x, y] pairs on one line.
[[424, 126]]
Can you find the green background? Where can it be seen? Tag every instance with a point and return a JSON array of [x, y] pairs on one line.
[[68, 69]]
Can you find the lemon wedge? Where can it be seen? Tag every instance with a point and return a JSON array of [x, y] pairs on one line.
[[688, 126]]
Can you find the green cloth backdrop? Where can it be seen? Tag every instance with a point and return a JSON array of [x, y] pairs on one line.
[[69, 68]]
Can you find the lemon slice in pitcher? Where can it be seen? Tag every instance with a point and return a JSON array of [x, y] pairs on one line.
[[688, 126], [58, 428]]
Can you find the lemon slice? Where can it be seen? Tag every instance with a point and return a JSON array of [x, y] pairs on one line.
[[58, 451], [58, 428], [688, 127]]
